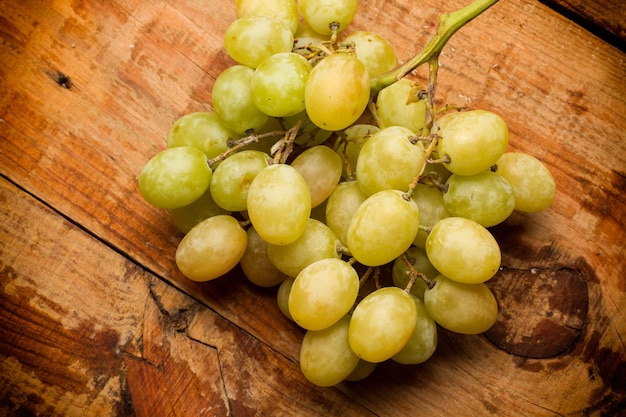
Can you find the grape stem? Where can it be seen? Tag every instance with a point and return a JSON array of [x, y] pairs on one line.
[[449, 24], [414, 274]]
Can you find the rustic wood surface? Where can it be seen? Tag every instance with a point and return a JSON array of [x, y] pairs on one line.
[[96, 321]]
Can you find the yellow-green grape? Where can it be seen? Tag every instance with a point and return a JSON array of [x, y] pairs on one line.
[[341, 206], [186, 217], [397, 105], [463, 250], [211, 248], [337, 91], [419, 260], [279, 204], [175, 177], [374, 50], [284, 10], [432, 209], [319, 14], [278, 84], [201, 130], [461, 308], [282, 296], [232, 100], [382, 324], [256, 264], [383, 227], [321, 168], [486, 197], [533, 184], [349, 147], [423, 341], [308, 134], [249, 40], [305, 37], [317, 242], [363, 370], [233, 176], [325, 355], [389, 161], [473, 140], [322, 293]]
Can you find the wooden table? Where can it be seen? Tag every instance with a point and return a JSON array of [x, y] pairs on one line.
[[95, 320]]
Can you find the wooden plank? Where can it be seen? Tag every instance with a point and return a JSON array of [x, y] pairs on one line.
[[135, 67], [87, 332]]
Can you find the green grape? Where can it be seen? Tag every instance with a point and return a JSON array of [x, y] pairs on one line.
[[389, 161], [232, 178], [349, 147], [319, 14], [423, 341], [486, 197], [249, 40], [232, 100], [278, 84], [284, 10], [282, 296], [317, 242], [175, 177], [256, 264], [305, 37], [382, 324], [430, 202], [474, 140], [321, 168], [397, 105], [279, 204], [374, 50], [201, 130], [383, 227], [461, 308], [325, 355], [211, 248], [322, 293], [463, 250], [419, 260], [309, 134], [337, 91], [533, 184], [341, 206], [363, 370], [186, 217]]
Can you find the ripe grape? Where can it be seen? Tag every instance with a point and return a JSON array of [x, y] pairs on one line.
[[322, 293], [284, 10], [389, 161], [395, 108], [349, 147], [383, 227], [374, 51], [202, 130], [278, 84], [249, 40], [486, 197], [461, 308], [282, 296], [321, 168], [256, 264], [305, 37], [186, 217], [337, 91], [533, 184], [232, 100], [279, 204], [363, 370], [423, 341], [382, 324], [175, 177], [233, 176], [419, 260], [341, 206], [316, 242], [325, 355], [463, 250], [319, 14], [211, 248], [474, 140], [432, 209]]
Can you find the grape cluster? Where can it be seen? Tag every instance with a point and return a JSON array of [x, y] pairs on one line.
[[314, 183]]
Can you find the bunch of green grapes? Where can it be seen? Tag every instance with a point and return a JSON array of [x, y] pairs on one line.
[[294, 178]]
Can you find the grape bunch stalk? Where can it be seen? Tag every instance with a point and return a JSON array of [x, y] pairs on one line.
[[325, 170]]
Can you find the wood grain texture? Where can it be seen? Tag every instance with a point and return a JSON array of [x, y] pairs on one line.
[[607, 15], [97, 321]]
